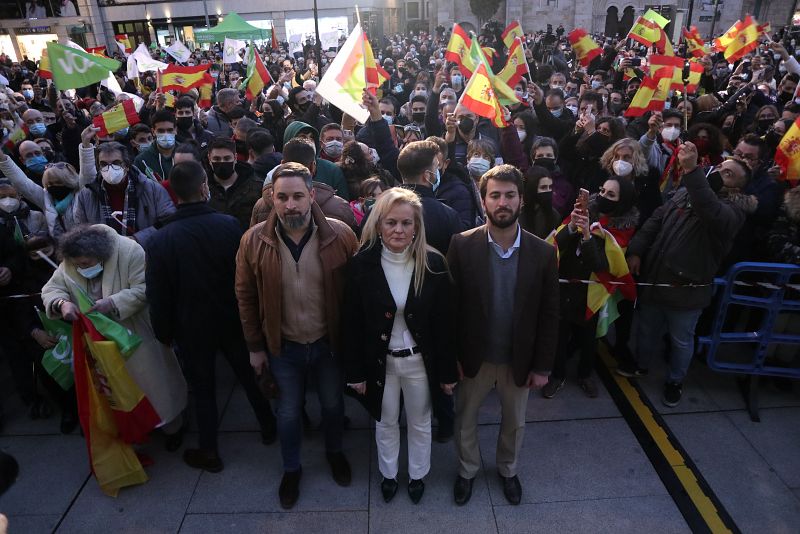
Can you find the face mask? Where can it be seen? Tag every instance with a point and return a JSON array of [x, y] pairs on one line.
[[59, 192], [545, 199], [764, 124], [622, 168], [456, 80], [166, 140], [184, 123], [604, 205], [36, 164], [605, 100], [418, 116], [334, 148], [437, 180], [478, 166], [715, 181], [773, 138], [776, 57], [547, 163], [520, 95], [556, 86], [145, 146], [573, 109], [615, 108], [9, 204], [466, 125], [522, 135], [557, 112], [113, 174], [37, 129], [597, 84], [389, 119], [223, 169], [423, 94], [670, 133], [374, 154], [90, 272], [27, 93]]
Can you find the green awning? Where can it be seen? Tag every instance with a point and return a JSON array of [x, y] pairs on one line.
[[232, 26]]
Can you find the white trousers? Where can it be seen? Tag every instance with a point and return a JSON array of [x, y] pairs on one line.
[[407, 375]]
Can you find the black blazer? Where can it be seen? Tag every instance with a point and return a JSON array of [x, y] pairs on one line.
[[535, 314], [368, 316]]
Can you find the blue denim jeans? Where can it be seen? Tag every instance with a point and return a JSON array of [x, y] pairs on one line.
[[654, 321], [290, 369]]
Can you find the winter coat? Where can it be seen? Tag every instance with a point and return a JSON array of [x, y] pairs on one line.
[[456, 191], [218, 123], [784, 238], [151, 158], [238, 200], [368, 317], [153, 366], [577, 260]]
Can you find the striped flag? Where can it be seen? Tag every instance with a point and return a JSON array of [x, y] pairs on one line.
[[672, 67], [584, 46], [787, 156], [516, 66], [206, 91], [651, 96], [740, 39], [257, 74], [120, 116], [181, 79], [124, 43], [458, 50], [376, 75], [512, 32], [694, 43], [480, 98]]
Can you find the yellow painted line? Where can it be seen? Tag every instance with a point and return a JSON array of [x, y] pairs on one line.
[[675, 459]]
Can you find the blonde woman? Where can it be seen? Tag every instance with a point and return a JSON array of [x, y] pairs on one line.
[[626, 159], [396, 333]]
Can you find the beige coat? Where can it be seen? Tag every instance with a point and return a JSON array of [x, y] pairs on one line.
[[153, 366]]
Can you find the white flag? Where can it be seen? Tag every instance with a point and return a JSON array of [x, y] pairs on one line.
[[346, 99], [179, 51], [112, 84], [133, 68], [230, 52], [146, 63], [122, 49]]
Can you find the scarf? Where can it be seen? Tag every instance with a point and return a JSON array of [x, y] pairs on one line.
[[128, 226], [61, 206], [671, 170]]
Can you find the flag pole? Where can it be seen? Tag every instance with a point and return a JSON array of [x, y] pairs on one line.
[[363, 48], [527, 67]]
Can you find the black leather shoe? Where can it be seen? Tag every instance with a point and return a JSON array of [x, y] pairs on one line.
[[415, 490], [389, 488], [512, 489], [289, 489], [200, 459], [462, 491], [340, 468]]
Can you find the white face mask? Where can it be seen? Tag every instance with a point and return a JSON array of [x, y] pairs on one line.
[[478, 166], [9, 204], [522, 135], [622, 167], [670, 133], [113, 174], [573, 109], [90, 272]]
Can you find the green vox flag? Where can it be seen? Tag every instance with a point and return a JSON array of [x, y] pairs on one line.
[[125, 339], [73, 68], [58, 360]]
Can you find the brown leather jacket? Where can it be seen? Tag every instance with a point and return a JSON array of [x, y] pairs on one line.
[[258, 278], [332, 206]]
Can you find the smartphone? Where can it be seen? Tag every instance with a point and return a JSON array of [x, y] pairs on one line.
[[636, 62], [583, 198]]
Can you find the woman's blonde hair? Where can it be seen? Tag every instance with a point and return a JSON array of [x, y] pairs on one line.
[[706, 103], [371, 233], [639, 161], [65, 173]]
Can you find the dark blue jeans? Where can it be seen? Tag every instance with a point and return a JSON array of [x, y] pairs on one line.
[[290, 369]]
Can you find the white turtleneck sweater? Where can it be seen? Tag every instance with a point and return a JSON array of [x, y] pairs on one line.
[[399, 269]]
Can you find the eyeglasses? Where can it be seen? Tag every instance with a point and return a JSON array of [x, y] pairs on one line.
[[60, 165], [115, 165], [748, 157]]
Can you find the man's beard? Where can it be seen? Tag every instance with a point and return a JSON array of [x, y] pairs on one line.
[[505, 223], [295, 221]]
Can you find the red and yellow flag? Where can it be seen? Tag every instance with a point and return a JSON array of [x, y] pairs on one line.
[[376, 75], [257, 74], [672, 67], [511, 32], [458, 51], [274, 39], [584, 46], [125, 41], [516, 66], [787, 156], [651, 96], [118, 117], [740, 39], [479, 97], [206, 91], [44, 66], [181, 79], [694, 43]]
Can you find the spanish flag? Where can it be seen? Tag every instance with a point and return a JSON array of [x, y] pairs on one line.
[[648, 29], [257, 74], [584, 47], [182, 79], [672, 67], [479, 97], [505, 94], [125, 41], [376, 75], [516, 66], [98, 51], [118, 117], [740, 39], [511, 32], [787, 157], [458, 50], [206, 91], [651, 96], [694, 43], [44, 66]]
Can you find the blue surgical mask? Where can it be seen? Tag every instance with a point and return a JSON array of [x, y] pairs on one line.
[[389, 119], [36, 164], [557, 112], [37, 129], [144, 146], [437, 180], [90, 272], [166, 140], [597, 84], [27, 93]]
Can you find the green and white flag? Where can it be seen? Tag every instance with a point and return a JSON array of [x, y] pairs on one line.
[[73, 68], [58, 360]]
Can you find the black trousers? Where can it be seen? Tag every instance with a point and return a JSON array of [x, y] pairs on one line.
[[573, 335], [199, 363]]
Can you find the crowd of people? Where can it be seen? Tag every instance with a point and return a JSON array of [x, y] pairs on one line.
[[412, 262]]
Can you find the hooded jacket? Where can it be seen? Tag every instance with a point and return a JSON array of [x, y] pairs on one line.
[[327, 172]]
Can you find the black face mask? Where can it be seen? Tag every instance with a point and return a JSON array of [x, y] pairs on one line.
[[184, 123], [223, 169], [715, 181], [773, 139], [545, 200], [764, 124], [784, 97], [605, 205], [418, 116], [615, 108], [59, 192], [597, 143], [547, 163], [466, 125]]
